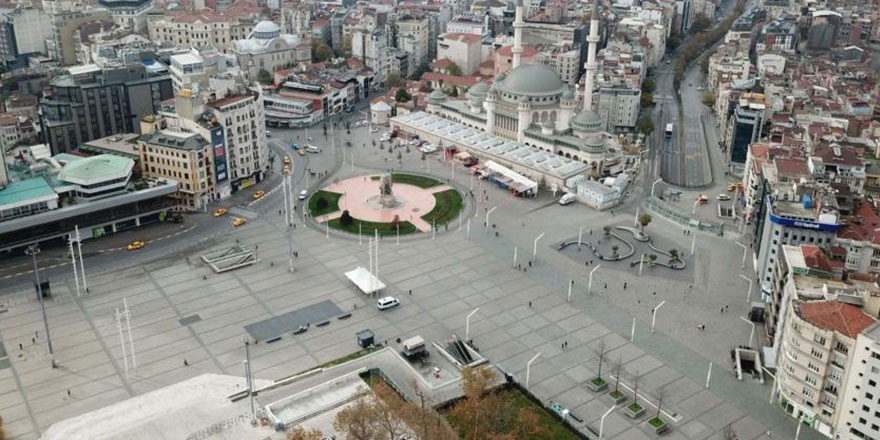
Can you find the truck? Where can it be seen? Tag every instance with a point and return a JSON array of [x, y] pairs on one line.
[[414, 348]]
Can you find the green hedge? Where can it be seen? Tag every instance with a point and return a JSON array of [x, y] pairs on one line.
[[415, 180], [447, 206], [367, 228], [332, 199]]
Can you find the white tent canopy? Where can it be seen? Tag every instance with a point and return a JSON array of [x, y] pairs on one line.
[[365, 281], [513, 179]]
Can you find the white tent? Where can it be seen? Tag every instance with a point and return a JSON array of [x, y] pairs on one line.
[[364, 280], [512, 179]]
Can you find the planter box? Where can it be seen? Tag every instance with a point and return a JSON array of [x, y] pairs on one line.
[[617, 399], [635, 412], [659, 426], [597, 384]]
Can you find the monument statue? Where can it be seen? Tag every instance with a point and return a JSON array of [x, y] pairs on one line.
[[386, 197]]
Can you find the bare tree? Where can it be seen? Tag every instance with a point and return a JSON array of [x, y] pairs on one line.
[[636, 378], [616, 365], [661, 394], [601, 351]]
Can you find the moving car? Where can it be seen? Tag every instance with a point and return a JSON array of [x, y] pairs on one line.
[[702, 199], [387, 302], [135, 245], [238, 222], [303, 194], [730, 188], [312, 149], [428, 149], [268, 134], [294, 146], [286, 160], [414, 348], [723, 197], [374, 130], [301, 152], [566, 199], [386, 137], [259, 194], [220, 212]]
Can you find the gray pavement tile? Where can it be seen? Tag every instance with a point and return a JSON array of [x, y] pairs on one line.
[[698, 403], [721, 415]]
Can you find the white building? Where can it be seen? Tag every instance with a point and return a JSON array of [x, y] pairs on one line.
[[267, 49], [201, 29], [371, 47], [97, 177], [129, 13], [726, 65], [462, 49], [244, 123], [859, 417]]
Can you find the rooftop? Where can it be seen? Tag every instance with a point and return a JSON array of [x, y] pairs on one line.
[[174, 139], [835, 316], [25, 190], [96, 169]]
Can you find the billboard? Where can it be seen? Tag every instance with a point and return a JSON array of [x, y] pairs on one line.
[[218, 143]]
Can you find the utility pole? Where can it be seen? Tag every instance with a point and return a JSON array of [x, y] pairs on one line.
[[82, 266], [33, 250], [73, 261]]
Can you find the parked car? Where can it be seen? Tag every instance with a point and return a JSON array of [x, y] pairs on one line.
[[566, 199], [135, 245], [386, 137], [374, 130], [730, 188], [428, 149], [388, 302], [702, 199], [220, 212], [312, 149], [303, 194], [268, 134], [294, 146]]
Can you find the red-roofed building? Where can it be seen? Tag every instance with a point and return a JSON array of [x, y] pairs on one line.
[[815, 355], [504, 57], [441, 81]]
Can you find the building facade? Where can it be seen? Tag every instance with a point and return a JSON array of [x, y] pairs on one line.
[[185, 158], [267, 49]]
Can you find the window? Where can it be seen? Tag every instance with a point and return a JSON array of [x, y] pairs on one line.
[[813, 367], [816, 353], [819, 339], [810, 379]]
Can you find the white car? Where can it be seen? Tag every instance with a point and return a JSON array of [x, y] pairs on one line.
[[386, 137], [428, 149], [567, 199], [387, 302], [375, 130], [268, 134], [723, 197], [303, 194], [312, 149]]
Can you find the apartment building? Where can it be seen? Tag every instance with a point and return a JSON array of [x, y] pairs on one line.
[[65, 30], [860, 404], [183, 157], [129, 13], [247, 152], [727, 64], [462, 49], [413, 36], [202, 29], [23, 31], [816, 353]]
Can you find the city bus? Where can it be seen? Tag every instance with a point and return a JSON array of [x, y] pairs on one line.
[[668, 130]]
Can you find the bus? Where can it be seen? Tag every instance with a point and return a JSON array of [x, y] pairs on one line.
[[669, 130]]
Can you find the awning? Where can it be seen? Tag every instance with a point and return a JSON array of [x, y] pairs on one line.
[[512, 179], [364, 280]]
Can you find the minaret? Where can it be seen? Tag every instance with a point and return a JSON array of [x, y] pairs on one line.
[[590, 66], [517, 34]]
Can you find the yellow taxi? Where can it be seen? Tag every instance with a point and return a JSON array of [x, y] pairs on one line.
[[259, 194], [301, 152], [135, 245], [286, 160], [220, 212], [238, 222], [730, 188], [287, 170]]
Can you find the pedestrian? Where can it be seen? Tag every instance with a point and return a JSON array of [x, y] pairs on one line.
[[185, 363], [20, 346], [606, 285], [530, 304], [410, 292], [624, 286], [655, 293], [34, 341], [68, 392], [530, 264]]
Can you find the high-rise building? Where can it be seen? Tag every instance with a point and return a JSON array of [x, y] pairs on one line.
[[244, 124], [413, 36], [746, 126], [23, 31], [859, 416], [88, 102], [65, 25]]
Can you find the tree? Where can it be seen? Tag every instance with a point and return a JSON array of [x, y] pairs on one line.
[[320, 50], [648, 85], [601, 352], [2, 431], [357, 421], [394, 80], [729, 433], [298, 433], [701, 23], [614, 250], [527, 426], [645, 220], [346, 219], [616, 365], [402, 95], [454, 69], [453, 92], [481, 413], [673, 254], [636, 378], [322, 203], [606, 230], [709, 99], [645, 125], [673, 42], [653, 258], [388, 407], [661, 394], [264, 77], [647, 100]]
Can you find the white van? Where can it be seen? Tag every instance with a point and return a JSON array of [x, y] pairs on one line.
[[567, 198], [303, 194], [387, 302]]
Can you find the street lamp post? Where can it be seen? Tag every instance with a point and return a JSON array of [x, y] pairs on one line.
[[570, 285], [529, 368], [694, 211], [467, 325], [653, 185], [752, 333], [487, 216], [745, 250], [654, 314], [33, 250], [693, 241], [749, 296], [602, 421], [535, 246], [590, 285]]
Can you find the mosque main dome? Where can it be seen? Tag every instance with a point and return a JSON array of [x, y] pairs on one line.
[[531, 80]]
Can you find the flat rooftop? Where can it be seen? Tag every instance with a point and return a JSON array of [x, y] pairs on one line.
[[25, 190]]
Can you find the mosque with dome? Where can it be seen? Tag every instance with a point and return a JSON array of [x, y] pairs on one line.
[[532, 106], [266, 48]]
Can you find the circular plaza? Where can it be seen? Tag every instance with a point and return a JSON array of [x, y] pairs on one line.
[[387, 204]]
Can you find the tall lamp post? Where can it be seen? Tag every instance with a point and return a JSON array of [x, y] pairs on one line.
[[654, 185], [602, 421], [467, 325], [535, 246], [33, 250], [590, 285]]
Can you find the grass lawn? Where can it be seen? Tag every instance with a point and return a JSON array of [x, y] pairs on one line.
[[656, 422], [446, 208], [412, 179], [518, 401], [332, 199], [367, 228]]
